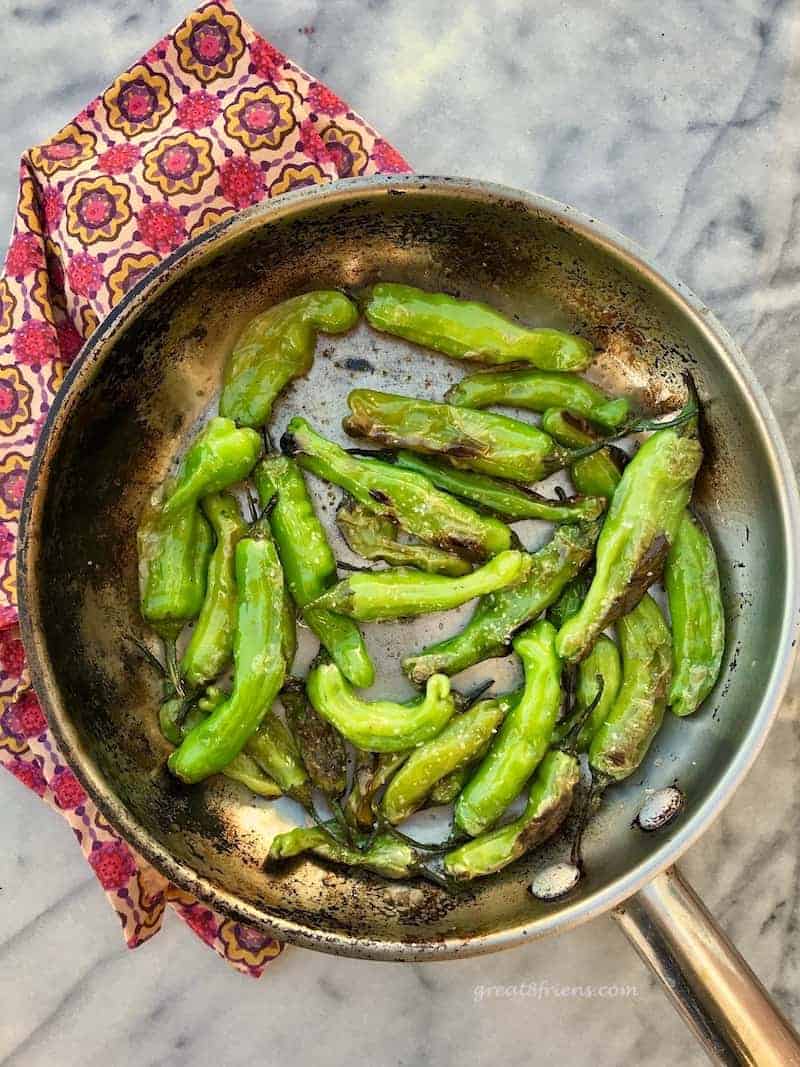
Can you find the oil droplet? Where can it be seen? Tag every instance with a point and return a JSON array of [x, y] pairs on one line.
[[660, 808], [555, 881]]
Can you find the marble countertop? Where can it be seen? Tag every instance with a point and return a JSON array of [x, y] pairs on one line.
[[679, 124]]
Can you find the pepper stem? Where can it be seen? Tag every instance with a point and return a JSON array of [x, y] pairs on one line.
[[570, 739], [596, 788], [690, 410], [172, 668], [152, 659]]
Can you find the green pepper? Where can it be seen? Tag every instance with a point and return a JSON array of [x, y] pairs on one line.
[[401, 592], [465, 329], [478, 440], [259, 663], [511, 502], [308, 563], [242, 768], [549, 801], [375, 537], [421, 510], [622, 741], [370, 774], [640, 526], [498, 616], [595, 475], [379, 725], [447, 789], [570, 600], [246, 771], [691, 578], [602, 663], [174, 551], [276, 347], [462, 739], [538, 391], [524, 736], [388, 856], [273, 748], [220, 455], [210, 647], [321, 748]]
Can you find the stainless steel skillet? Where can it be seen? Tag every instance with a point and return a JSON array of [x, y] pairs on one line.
[[150, 373]]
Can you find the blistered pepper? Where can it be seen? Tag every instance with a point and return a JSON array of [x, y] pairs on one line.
[[597, 475], [308, 563], [375, 537], [210, 647], [219, 456], [601, 667], [537, 391], [457, 746], [640, 526], [478, 440], [379, 725], [370, 774], [388, 855], [259, 663], [498, 616], [321, 747], [421, 510], [276, 347], [510, 502], [524, 736], [691, 578], [623, 738], [465, 329], [401, 592]]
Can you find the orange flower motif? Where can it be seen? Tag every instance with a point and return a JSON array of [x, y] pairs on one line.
[[347, 150], [27, 206], [137, 101], [210, 217], [260, 118], [296, 177], [40, 293], [7, 304], [66, 150], [97, 209], [130, 269], [179, 164], [210, 43], [15, 400], [13, 472], [88, 321], [245, 944]]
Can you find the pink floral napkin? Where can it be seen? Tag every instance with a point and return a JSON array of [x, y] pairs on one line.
[[210, 120]]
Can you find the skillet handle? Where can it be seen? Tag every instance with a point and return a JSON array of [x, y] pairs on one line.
[[709, 983]]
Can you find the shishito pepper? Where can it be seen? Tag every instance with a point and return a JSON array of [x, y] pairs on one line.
[[379, 725], [408, 498], [464, 738], [601, 667], [640, 527], [510, 502], [691, 578], [375, 537], [623, 738], [537, 391], [465, 329], [478, 440], [524, 737], [276, 347], [259, 663], [309, 564], [388, 855], [597, 475], [549, 802], [401, 592], [174, 551], [321, 747], [498, 616], [220, 455], [210, 647]]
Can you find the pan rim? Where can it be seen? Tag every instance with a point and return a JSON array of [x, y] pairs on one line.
[[89, 362]]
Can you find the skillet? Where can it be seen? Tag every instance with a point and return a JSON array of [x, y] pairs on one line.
[[149, 376]]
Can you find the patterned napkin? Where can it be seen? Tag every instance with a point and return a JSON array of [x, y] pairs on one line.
[[210, 120]]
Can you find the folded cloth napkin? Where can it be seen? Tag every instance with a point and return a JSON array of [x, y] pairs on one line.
[[211, 120]]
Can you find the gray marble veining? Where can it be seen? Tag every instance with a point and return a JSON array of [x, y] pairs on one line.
[[680, 125]]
